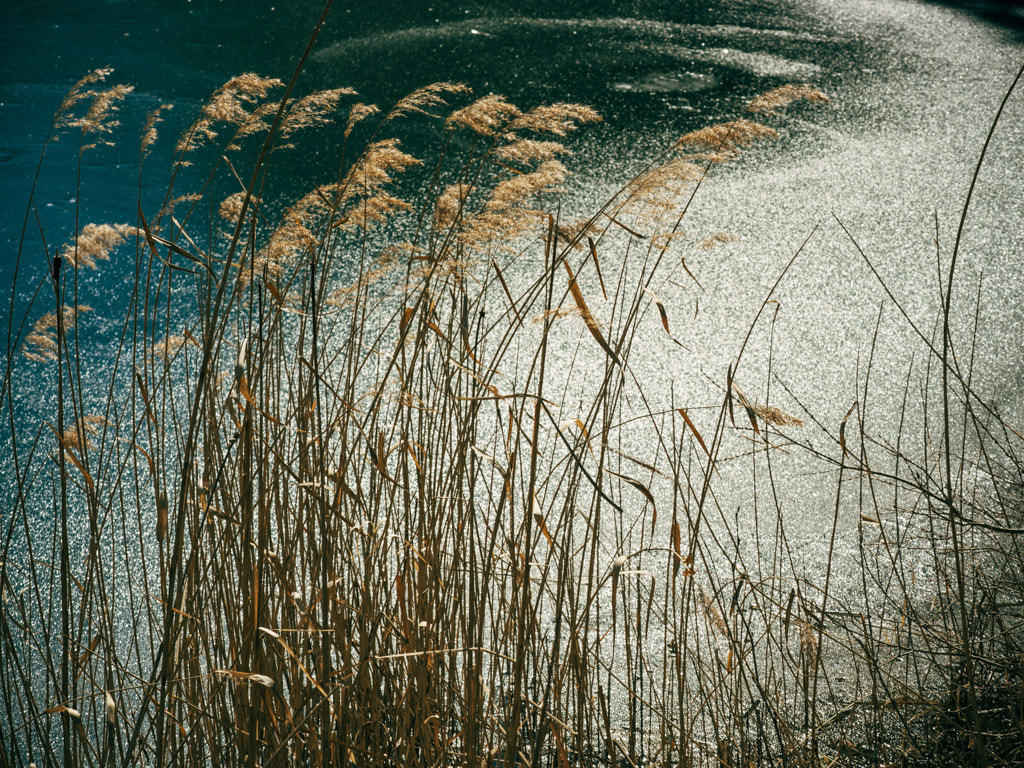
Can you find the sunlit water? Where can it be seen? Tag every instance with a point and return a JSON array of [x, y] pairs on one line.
[[914, 88]]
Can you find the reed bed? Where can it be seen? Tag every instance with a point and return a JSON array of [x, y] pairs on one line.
[[371, 478]]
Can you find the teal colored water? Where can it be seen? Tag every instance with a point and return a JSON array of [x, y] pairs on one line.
[[645, 65], [914, 86]]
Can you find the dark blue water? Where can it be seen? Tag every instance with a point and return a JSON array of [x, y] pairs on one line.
[[648, 66], [914, 86], [644, 65]]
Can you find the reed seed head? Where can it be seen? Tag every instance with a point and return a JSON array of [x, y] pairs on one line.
[[718, 238], [422, 99], [357, 114], [233, 103], [313, 111], [487, 116], [727, 137], [530, 151], [149, 134], [95, 242], [777, 99], [41, 343], [559, 119], [777, 417]]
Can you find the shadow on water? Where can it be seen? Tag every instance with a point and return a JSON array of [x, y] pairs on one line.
[[1005, 13], [642, 65]]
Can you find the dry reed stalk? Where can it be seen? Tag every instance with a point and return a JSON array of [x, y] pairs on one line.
[[386, 528]]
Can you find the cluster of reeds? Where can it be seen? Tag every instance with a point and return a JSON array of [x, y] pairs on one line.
[[340, 496]]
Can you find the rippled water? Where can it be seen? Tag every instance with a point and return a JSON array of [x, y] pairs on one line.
[[914, 87]]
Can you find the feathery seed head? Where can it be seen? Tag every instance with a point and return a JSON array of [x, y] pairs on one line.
[[313, 110], [149, 129], [231, 207], [572, 232], [232, 103], [380, 159], [529, 151], [99, 117], [41, 343], [556, 313], [771, 102], [487, 116], [76, 437], [264, 680], [258, 120], [420, 100], [95, 242], [449, 206], [808, 639], [727, 137], [77, 92], [665, 240], [776, 416], [368, 211], [168, 347], [505, 218], [656, 191], [523, 186], [357, 114], [712, 240], [558, 119], [712, 614]]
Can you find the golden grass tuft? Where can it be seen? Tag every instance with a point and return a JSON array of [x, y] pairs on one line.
[[94, 243], [422, 100], [558, 119], [488, 116], [521, 187], [449, 205], [712, 614], [573, 232], [313, 111], [556, 314], [718, 238], [529, 151], [728, 137], [77, 437], [357, 114], [104, 104], [149, 133], [656, 192], [774, 101], [99, 118], [234, 103], [170, 345], [41, 343], [78, 92], [230, 207]]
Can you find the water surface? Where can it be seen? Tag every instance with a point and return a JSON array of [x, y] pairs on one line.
[[914, 87]]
